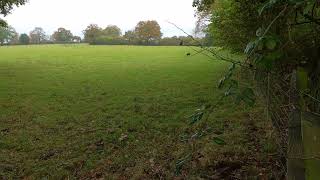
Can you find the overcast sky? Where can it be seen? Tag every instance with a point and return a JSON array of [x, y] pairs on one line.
[[75, 15]]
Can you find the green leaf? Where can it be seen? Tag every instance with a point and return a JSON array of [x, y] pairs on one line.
[[227, 93], [221, 82], [257, 58], [181, 162], [3, 23], [233, 88], [219, 141], [248, 96], [250, 47], [271, 43], [232, 67], [308, 8], [259, 32], [196, 117]]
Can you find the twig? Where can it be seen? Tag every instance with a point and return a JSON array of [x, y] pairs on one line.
[[211, 51], [199, 52], [269, 27], [250, 66], [274, 20]]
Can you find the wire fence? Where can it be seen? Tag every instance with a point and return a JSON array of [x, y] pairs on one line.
[[295, 114], [295, 117], [283, 101]]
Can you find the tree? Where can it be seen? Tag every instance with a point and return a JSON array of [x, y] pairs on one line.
[[7, 34], [170, 41], [15, 38], [37, 35], [6, 7], [234, 24], [62, 35], [91, 33], [130, 36], [24, 39], [76, 39], [281, 39], [112, 31], [148, 31]]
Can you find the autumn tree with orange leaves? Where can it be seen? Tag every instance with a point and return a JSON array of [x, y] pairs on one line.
[[148, 31]]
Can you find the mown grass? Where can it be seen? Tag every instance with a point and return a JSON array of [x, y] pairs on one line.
[[117, 112]]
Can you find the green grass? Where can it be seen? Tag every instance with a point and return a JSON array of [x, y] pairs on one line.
[[106, 111]]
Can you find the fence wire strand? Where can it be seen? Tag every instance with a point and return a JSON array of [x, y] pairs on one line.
[[279, 94]]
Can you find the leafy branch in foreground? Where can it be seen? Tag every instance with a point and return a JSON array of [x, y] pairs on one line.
[[280, 37], [6, 6], [266, 51]]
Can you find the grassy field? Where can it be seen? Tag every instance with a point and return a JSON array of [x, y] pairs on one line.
[[118, 112]]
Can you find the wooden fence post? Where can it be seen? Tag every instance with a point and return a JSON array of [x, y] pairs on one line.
[[295, 164], [311, 141]]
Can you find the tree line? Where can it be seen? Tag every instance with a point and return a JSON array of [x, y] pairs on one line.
[[144, 33], [9, 36]]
